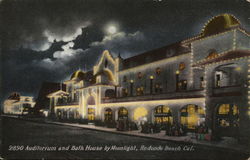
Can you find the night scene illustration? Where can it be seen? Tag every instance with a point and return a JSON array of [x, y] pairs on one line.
[[142, 79]]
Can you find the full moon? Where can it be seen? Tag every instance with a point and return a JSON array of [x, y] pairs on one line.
[[112, 29]]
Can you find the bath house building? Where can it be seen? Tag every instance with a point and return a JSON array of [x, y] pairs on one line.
[[203, 79], [16, 104]]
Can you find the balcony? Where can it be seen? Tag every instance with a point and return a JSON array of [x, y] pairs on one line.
[[67, 103], [169, 95], [233, 90]]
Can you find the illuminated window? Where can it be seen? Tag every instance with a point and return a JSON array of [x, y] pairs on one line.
[[139, 91], [235, 110], [212, 54], [91, 114], [122, 113], [163, 115], [108, 115], [228, 115], [158, 71], [182, 85], [192, 116], [124, 92], [224, 109], [182, 66]]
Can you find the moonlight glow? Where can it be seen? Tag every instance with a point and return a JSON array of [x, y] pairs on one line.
[[112, 29]]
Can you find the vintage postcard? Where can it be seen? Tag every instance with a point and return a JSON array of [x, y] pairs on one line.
[[125, 79]]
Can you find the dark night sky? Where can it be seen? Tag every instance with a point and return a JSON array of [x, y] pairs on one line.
[[47, 40]]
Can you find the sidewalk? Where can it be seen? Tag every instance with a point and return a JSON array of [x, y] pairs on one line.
[[226, 143]]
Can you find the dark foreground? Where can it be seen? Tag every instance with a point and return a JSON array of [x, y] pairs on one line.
[[24, 140]]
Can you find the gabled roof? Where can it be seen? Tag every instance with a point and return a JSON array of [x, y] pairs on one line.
[[58, 93], [79, 75]]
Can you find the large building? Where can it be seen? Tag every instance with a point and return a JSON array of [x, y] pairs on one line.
[[18, 105], [204, 79], [42, 101]]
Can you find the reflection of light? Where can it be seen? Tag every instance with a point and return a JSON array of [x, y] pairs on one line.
[[151, 77], [177, 72]]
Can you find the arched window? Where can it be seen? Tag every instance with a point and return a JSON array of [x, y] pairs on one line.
[[108, 115], [110, 93], [91, 114], [212, 54], [122, 113], [163, 115], [192, 116], [91, 100]]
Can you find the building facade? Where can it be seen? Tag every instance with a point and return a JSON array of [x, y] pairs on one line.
[[204, 79], [18, 105]]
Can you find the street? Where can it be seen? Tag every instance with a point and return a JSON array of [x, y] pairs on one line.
[[32, 140]]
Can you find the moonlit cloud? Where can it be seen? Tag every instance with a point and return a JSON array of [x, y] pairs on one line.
[[67, 51], [69, 36], [49, 36], [125, 38], [60, 58]]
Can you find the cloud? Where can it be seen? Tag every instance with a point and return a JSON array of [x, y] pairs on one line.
[[126, 44], [117, 38], [60, 57], [67, 51], [67, 36], [48, 37], [40, 47]]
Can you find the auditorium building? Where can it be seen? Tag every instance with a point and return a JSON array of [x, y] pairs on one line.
[[203, 79]]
